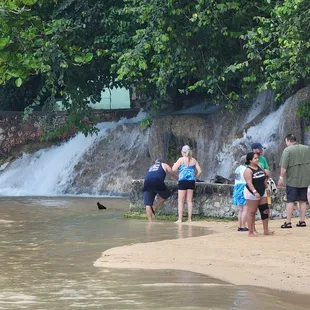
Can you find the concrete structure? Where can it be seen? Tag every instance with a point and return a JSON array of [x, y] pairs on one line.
[[210, 200]]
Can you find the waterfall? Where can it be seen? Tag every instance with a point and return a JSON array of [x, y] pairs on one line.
[[269, 132], [59, 169], [105, 164]]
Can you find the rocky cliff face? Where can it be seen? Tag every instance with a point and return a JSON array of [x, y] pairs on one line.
[[16, 132], [219, 140], [123, 151], [110, 165]]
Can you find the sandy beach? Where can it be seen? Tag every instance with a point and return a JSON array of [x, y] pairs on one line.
[[280, 262]]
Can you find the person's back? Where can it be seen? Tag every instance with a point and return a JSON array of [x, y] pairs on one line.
[[296, 160], [156, 172], [238, 199], [154, 184], [239, 174], [187, 169], [295, 168]]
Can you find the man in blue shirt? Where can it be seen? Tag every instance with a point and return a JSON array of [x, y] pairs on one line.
[[154, 183]]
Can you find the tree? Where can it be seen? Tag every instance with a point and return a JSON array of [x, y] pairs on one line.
[[188, 45], [278, 54], [42, 38], [222, 50]]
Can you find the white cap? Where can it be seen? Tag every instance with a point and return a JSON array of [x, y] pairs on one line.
[[185, 148]]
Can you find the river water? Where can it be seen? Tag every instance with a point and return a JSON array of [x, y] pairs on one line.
[[48, 246]]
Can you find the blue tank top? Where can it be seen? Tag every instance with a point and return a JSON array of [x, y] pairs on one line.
[[186, 172], [156, 172]]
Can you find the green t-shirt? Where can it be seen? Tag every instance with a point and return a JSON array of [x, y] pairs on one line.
[[262, 161], [296, 160]]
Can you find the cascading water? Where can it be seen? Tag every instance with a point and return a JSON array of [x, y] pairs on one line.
[[55, 171], [268, 132], [107, 163]]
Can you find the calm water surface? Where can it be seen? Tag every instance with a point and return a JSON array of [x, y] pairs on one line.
[[47, 250]]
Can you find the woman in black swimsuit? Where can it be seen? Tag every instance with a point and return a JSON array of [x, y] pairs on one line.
[[255, 194]]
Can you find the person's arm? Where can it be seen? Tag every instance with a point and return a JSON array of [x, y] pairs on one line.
[[198, 170], [170, 171], [176, 165], [281, 177], [248, 179]]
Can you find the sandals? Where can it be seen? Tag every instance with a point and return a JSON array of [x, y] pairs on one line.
[[286, 225], [289, 224], [243, 229], [301, 224]]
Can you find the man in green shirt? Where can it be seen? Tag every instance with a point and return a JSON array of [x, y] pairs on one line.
[[257, 148], [295, 168]]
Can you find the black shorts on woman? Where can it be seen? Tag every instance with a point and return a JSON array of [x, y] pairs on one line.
[[186, 184]]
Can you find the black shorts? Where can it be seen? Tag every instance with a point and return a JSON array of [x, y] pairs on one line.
[[186, 184], [296, 193], [149, 196]]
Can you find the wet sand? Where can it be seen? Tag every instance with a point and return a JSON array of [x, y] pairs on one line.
[[281, 261]]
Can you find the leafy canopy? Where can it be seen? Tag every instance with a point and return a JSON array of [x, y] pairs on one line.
[[220, 49]]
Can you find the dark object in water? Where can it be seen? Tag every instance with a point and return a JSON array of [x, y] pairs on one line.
[[220, 180], [100, 206], [199, 180]]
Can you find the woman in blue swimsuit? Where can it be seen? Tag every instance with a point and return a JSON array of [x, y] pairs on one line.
[[188, 172]]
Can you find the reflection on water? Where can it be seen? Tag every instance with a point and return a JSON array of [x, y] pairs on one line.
[[47, 250]]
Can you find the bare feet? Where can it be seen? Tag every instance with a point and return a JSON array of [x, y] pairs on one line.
[[178, 222], [253, 235], [269, 233], [256, 233]]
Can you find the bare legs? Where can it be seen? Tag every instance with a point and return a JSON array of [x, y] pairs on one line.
[[182, 196], [242, 216], [302, 210], [252, 208], [148, 209], [149, 213], [189, 202], [289, 211], [266, 229]]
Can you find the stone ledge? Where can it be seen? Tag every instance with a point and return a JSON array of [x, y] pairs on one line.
[[210, 200]]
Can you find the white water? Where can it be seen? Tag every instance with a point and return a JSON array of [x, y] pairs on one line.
[[80, 167], [49, 172], [268, 132]]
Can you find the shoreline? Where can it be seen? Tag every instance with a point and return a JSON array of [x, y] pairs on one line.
[[280, 262]]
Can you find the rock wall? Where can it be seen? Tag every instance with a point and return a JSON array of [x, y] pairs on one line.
[[224, 136], [15, 131], [209, 200]]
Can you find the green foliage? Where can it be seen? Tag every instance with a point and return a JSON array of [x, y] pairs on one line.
[[173, 218], [187, 45], [147, 122], [303, 110], [17, 99], [277, 49], [57, 42], [222, 50]]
